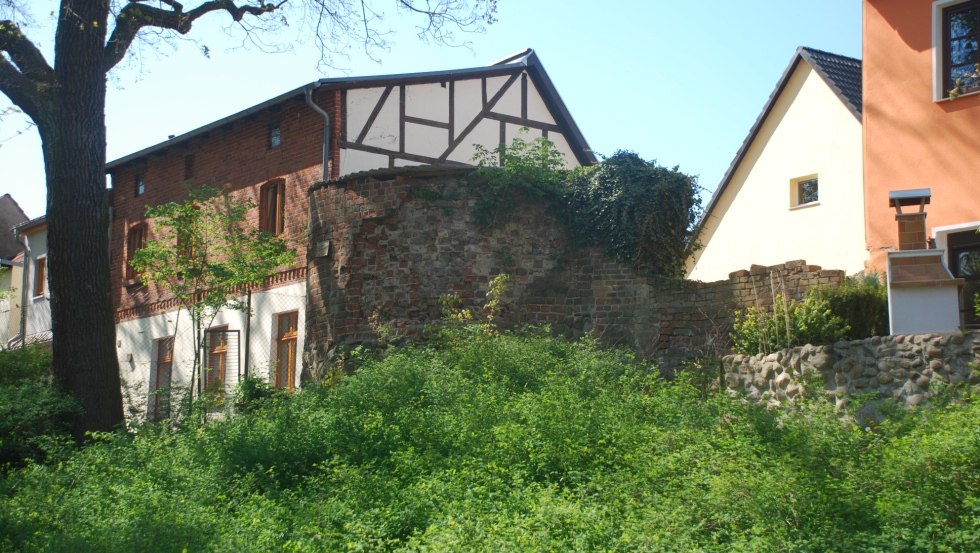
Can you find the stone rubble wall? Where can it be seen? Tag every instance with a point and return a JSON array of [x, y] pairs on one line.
[[907, 368], [385, 245]]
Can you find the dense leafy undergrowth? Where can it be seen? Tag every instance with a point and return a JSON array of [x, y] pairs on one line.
[[511, 443]]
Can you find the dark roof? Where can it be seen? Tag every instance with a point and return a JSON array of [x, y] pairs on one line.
[[841, 73], [11, 215], [526, 59]]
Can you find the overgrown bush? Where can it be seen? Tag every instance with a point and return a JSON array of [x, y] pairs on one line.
[[501, 442], [642, 213], [787, 324], [511, 174], [862, 303], [34, 417]]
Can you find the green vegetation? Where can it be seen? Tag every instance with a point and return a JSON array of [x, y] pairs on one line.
[[206, 257], [34, 416], [641, 213], [501, 442], [862, 302], [856, 309]]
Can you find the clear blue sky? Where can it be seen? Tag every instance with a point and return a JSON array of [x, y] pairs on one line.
[[679, 82]]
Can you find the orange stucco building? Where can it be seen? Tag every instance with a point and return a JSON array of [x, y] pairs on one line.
[[915, 135]]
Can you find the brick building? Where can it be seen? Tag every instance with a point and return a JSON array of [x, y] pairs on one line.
[[273, 153]]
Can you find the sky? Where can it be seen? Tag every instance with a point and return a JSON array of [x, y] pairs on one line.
[[677, 82]]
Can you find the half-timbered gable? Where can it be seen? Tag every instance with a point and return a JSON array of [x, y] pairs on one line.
[[437, 118]]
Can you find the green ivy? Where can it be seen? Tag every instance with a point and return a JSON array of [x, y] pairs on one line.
[[641, 213]]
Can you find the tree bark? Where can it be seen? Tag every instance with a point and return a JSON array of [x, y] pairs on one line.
[[74, 142]]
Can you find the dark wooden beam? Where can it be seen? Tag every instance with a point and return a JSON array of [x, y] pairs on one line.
[[374, 114]]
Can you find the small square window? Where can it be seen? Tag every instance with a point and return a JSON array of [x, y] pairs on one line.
[[139, 186], [804, 191], [275, 136]]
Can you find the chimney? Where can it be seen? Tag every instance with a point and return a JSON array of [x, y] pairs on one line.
[[912, 225]]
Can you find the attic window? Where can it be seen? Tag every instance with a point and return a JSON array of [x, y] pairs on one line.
[[804, 191], [139, 186], [275, 136]]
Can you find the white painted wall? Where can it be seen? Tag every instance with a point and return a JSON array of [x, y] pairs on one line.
[[136, 341], [924, 309], [39, 307], [809, 131]]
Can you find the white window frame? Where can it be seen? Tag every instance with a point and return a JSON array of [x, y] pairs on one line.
[[794, 192], [940, 236], [938, 92]]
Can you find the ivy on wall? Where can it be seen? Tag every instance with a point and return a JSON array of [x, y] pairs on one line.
[[641, 213]]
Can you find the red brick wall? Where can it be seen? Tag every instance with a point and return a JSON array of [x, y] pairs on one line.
[[236, 156], [401, 239]]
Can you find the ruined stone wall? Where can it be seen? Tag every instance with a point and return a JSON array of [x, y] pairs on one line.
[[385, 245], [909, 368]]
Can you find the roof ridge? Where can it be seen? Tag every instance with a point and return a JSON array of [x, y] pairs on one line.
[[832, 54]]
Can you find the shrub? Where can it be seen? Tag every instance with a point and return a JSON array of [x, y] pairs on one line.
[[862, 303], [789, 324], [512, 443], [642, 213], [34, 417]]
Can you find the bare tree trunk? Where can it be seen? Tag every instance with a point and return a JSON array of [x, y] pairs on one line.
[[84, 353]]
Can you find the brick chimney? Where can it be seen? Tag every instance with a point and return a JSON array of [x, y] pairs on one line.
[[911, 226], [922, 294]]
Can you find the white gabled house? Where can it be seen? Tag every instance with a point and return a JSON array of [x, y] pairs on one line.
[[795, 188]]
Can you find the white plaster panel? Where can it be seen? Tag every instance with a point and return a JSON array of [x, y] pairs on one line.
[[407, 163], [486, 133], [360, 104], [561, 144], [384, 131], [136, 341], [510, 103], [517, 131], [467, 102], [809, 131], [353, 161], [425, 140], [536, 108], [494, 84], [920, 310], [428, 101]]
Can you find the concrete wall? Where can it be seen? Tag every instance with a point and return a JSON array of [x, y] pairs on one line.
[[387, 245], [808, 132]]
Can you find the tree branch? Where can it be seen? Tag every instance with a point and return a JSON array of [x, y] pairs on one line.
[[136, 15], [26, 76]]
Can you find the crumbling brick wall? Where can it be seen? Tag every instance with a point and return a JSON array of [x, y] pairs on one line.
[[385, 245]]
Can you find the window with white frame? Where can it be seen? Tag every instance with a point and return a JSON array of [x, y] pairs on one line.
[[956, 47], [804, 191]]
